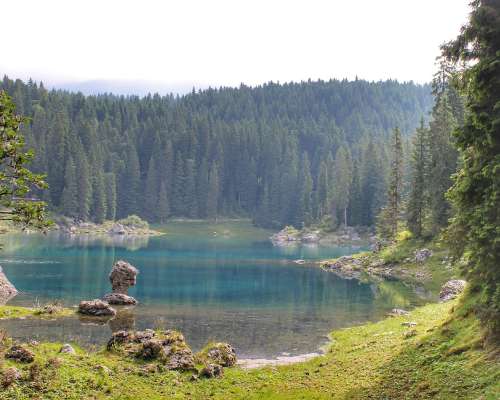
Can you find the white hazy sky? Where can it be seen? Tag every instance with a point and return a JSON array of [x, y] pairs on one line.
[[225, 42]]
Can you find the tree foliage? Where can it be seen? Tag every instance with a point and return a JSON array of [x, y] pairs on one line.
[[475, 230]]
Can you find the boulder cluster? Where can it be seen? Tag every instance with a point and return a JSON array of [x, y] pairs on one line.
[[122, 276], [169, 349]]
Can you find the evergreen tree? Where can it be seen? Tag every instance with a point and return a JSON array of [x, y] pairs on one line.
[[395, 184], [152, 191], [84, 186], [417, 203], [342, 181], [69, 200], [476, 192], [305, 193], [163, 209], [110, 190], [213, 192], [443, 161], [99, 197]]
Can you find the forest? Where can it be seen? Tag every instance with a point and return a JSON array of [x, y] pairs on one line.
[[281, 154]]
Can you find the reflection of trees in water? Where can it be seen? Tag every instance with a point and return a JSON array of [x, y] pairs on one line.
[[128, 242]]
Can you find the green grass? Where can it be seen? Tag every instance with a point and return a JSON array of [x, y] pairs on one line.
[[445, 360], [10, 312]]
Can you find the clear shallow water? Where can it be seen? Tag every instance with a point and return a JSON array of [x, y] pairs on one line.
[[213, 282]]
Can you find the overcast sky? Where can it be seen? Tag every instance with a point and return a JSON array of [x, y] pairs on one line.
[[225, 42]]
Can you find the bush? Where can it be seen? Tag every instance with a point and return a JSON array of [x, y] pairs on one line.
[[134, 221]]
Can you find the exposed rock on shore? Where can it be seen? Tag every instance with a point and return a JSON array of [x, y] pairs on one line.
[[130, 226], [7, 289], [168, 347], [20, 353], [291, 236], [451, 289], [96, 308]]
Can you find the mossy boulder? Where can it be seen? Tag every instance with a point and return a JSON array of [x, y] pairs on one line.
[[168, 348], [218, 353]]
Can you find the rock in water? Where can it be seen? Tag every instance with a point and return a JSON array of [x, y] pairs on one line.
[[122, 276], [7, 289], [451, 289], [119, 299], [96, 308], [21, 354]]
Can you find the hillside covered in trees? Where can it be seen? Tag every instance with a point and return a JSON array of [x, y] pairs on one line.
[[278, 153]]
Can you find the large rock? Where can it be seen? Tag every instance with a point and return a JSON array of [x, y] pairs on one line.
[[212, 371], [117, 229], [422, 255], [119, 299], [96, 308], [451, 289], [7, 289], [181, 360], [122, 276], [20, 353], [222, 354]]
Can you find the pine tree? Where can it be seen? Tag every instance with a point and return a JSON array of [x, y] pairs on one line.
[[190, 199], [417, 202], [110, 190], [323, 191], [84, 186], [475, 229], [130, 183], [152, 191], [393, 207], [342, 173], [304, 211], [69, 200], [443, 161], [213, 192], [163, 209], [99, 197]]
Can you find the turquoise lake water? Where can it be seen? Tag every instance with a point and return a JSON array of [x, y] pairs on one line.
[[221, 282]]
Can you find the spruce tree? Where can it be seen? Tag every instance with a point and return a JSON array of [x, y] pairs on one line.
[[213, 192], [110, 184], [69, 199], [342, 181], [162, 209], [417, 202], [395, 183], [475, 229], [443, 161]]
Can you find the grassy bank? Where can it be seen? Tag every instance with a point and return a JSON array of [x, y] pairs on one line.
[[439, 358], [47, 311]]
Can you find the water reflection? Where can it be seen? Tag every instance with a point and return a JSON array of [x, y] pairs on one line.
[[233, 286]]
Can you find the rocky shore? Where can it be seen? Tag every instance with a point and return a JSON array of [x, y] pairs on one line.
[[345, 236], [131, 226]]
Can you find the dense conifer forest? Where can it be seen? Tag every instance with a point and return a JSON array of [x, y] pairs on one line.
[[279, 153]]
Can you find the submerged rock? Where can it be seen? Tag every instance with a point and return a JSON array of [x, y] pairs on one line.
[[7, 289], [451, 289], [96, 308], [20, 353], [119, 299]]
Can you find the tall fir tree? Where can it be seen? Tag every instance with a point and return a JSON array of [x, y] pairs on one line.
[[417, 202]]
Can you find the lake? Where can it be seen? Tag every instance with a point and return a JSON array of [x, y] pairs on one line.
[[223, 282]]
